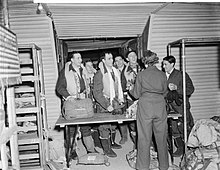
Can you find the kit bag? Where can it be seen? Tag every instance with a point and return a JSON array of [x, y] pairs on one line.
[[78, 108], [192, 161], [93, 159]]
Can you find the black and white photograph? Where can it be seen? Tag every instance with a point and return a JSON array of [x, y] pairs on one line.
[[109, 85]]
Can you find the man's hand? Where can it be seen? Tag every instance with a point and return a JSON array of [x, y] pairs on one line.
[[120, 101], [129, 85], [110, 108], [172, 86]]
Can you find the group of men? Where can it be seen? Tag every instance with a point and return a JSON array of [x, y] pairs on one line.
[[110, 87]]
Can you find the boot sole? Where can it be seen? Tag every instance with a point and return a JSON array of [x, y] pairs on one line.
[[111, 156]]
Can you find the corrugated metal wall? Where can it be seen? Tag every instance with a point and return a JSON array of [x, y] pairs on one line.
[[202, 63], [32, 28], [101, 20], [1, 13], [10, 72]]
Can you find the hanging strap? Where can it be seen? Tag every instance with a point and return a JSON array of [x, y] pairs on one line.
[[77, 80]]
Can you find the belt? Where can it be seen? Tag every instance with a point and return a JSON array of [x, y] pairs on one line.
[[150, 94]]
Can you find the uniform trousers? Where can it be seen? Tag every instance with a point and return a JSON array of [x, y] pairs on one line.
[[105, 130], [150, 120]]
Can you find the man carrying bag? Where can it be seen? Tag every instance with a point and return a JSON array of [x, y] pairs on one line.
[[71, 85]]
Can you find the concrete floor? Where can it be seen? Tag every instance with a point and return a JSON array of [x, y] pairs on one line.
[[118, 163]]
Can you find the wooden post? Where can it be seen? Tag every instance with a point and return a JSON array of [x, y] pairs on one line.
[[4, 159], [43, 106], [139, 46], [2, 112], [168, 50], [5, 13], [184, 93], [12, 122]]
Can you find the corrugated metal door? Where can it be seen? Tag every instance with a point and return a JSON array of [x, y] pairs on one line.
[[202, 62]]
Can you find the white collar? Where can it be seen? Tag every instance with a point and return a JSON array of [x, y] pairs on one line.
[[168, 74], [170, 71]]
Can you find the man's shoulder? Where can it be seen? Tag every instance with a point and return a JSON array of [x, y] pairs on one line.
[[143, 72], [98, 73], [178, 72], [175, 71], [62, 71]]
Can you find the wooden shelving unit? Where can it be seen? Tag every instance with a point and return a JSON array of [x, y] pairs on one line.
[[31, 109]]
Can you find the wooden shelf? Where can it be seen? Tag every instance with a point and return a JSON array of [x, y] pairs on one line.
[[25, 61], [27, 129], [26, 70], [29, 78], [32, 168], [28, 138], [25, 99], [27, 110], [34, 161], [26, 118], [28, 147], [29, 156], [24, 89]]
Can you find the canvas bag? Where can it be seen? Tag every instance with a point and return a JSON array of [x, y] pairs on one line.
[[78, 108], [131, 111], [93, 159], [81, 107], [192, 162]]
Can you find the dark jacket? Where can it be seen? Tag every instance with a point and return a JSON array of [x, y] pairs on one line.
[[98, 90], [123, 79], [176, 77], [61, 86], [125, 70]]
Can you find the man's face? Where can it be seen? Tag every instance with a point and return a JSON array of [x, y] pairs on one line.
[[132, 58], [108, 59], [89, 67], [77, 59], [167, 66], [119, 61]]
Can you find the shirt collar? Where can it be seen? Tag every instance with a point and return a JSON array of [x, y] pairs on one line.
[[73, 69], [131, 69], [168, 74], [120, 69], [171, 71]]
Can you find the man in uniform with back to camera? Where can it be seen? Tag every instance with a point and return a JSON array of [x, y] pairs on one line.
[[150, 88], [108, 94], [175, 99], [72, 84]]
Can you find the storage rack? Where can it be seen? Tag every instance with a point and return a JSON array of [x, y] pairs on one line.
[[31, 109]]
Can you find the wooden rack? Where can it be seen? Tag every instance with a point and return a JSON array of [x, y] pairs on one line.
[[31, 109]]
